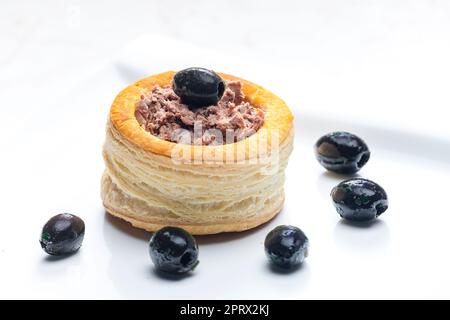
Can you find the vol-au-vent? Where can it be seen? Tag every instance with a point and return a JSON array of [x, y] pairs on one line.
[[246, 129]]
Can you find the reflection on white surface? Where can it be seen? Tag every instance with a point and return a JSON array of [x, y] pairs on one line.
[[68, 272], [364, 238], [219, 254], [63, 266], [128, 255]]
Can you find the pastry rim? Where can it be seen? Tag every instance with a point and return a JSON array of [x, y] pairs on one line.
[[278, 120]]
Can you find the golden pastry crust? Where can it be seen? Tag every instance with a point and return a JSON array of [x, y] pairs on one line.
[[143, 185]]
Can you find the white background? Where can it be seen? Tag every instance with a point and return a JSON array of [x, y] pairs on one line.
[[377, 68]]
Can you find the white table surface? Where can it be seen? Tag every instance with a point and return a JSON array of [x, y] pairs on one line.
[[376, 68]]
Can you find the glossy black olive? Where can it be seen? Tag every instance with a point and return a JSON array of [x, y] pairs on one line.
[[173, 250], [286, 246], [359, 199], [198, 87], [62, 234], [342, 152]]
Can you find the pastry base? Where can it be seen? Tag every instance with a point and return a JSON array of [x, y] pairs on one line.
[[148, 224]]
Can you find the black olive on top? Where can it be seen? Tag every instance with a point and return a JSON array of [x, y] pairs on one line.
[[359, 199], [62, 234], [198, 87], [342, 152], [173, 250], [286, 246]]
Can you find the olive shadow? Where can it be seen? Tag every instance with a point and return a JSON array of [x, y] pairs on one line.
[[168, 276], [52, 259], [361, 224], [285, 271]]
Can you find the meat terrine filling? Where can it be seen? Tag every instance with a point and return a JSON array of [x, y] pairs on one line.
[[232, 119]]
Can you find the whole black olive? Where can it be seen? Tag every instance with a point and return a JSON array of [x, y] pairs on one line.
[[286, 246], [342, 152], [62, 234], [359, 199], [198, 87], [173, 250]]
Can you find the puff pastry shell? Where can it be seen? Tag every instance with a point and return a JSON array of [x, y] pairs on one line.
[[207, 189]]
